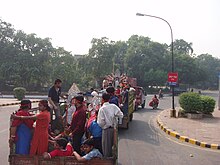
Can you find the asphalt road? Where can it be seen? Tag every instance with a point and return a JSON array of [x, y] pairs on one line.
[[144, 143]]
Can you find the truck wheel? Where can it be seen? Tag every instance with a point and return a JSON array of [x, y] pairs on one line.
[[131, 117], [143, 105]]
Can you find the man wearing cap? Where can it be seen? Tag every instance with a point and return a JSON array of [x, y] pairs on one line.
[[78, 122], [21, 133], [107, 120]]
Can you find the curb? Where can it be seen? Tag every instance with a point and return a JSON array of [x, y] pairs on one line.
[[185, 138], [8, 104]]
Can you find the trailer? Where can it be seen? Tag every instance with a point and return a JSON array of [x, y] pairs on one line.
[[16, 159], [128, 117]]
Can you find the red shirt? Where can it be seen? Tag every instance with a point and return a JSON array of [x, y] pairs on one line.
[[78, 120], [67, 152], [27, 122]]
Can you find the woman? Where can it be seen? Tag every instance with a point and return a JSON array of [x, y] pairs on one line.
[[154, 102], [23, 129], [39, 143]]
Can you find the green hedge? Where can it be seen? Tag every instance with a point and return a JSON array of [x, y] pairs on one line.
[[193, 102], [208, 104], [19, 92], [190, 102]]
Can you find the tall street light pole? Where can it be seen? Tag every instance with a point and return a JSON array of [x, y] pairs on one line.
[[173, 111]]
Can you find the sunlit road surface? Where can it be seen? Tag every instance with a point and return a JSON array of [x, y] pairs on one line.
[[144, 143]]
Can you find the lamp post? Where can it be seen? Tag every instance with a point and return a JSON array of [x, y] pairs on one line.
[[173, 111]]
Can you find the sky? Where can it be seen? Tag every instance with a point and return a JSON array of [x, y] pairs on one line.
[[73, 23]]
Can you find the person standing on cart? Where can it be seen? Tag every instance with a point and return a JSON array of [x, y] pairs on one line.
[[77, 126], [54, 98], [113, 99], [106, 120]]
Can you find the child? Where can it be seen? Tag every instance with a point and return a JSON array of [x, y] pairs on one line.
[[90, 151], [69, 113], [96, 133], [66, 134], [62, 148]]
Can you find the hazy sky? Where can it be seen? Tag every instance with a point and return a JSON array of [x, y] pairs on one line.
[[73, 23]]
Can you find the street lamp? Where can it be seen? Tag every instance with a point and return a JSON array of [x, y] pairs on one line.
[[173, 111]]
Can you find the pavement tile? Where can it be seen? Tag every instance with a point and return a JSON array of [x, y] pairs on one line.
[[204, 130]]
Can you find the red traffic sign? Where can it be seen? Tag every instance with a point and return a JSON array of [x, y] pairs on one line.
[[173, 77]]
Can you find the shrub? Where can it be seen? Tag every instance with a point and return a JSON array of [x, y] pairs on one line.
[[19, 92], [208, 104], [190, 102]]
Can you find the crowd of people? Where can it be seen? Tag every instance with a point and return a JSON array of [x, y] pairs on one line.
[[86, 134]]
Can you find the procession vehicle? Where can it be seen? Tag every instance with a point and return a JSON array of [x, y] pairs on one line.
[[129, 109], [16, 159]]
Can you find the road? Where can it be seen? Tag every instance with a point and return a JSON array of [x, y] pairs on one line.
[[143, 143]]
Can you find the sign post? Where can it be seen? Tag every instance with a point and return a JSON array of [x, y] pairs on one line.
[[172, 80]]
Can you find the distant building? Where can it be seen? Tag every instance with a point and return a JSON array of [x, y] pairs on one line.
[[78, 56]]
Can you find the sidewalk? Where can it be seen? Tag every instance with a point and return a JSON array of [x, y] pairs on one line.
[[203, 130]]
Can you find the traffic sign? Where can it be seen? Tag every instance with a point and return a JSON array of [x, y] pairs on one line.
[[172, 77]]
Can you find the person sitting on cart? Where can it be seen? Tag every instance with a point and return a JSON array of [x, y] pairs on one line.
[[113, 99], [90, 150], [23, 129], [95, 132], [62, 148]]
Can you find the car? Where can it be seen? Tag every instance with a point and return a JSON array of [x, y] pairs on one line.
[[178, 91]]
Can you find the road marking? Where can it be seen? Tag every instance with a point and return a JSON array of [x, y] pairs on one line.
[[2, 131], [188, 145]]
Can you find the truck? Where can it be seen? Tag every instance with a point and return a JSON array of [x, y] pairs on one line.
[[16, 159], [123, 80]]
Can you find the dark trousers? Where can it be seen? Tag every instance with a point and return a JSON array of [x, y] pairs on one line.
[[77, 142], [98, 143]]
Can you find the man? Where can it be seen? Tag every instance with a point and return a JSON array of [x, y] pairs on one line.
[[54, 98], [107, 120], [78, 123], [113, 99]]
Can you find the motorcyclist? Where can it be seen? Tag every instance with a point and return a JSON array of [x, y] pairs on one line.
[[160, 94]]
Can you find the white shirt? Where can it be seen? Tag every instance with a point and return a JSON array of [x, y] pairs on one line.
[[69, 113], [107, 113]]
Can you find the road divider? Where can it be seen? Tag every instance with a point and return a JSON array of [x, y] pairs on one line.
[[9, 104], [185, 138]]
